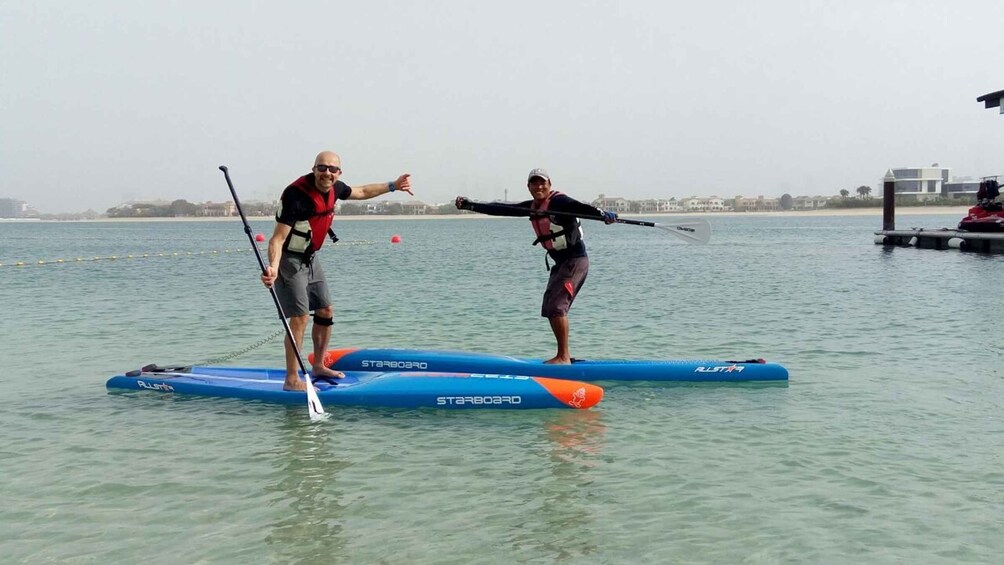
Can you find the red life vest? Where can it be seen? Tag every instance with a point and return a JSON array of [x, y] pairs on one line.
[[315, 228], [550, 236]]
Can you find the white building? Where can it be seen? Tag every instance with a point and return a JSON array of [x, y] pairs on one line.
[[660, 205], [702, 204], [11, 208], [808, 202], [758, 204], [414, 207], [671, 205], [613, 204], [921, 183]]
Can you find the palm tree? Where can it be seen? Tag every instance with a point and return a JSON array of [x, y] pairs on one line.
[[864, 191], [844, 193]]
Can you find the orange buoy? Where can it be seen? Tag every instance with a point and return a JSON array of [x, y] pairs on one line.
[[259, 237], [395, 239]]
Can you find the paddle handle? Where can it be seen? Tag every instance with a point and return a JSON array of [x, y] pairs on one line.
[[635, 222], [244, 220], [314, 403], [600, 218]]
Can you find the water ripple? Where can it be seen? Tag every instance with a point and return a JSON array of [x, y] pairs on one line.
[[885, 447]]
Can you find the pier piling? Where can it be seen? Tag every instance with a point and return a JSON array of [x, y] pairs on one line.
[[889, 201]]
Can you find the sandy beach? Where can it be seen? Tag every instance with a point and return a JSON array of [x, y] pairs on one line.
[[877, 212]]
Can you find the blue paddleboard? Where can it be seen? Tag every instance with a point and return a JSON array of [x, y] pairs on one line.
[[446, 390], [351, 359]]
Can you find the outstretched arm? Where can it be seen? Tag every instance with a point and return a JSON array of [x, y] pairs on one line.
[[367, 191], [570, 205], [520, 209]]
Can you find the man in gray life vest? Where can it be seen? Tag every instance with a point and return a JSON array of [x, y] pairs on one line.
[[561, 236], [303, 221]]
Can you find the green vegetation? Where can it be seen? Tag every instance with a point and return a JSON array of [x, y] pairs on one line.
[[846, 202], [182, 208], [394, 209]]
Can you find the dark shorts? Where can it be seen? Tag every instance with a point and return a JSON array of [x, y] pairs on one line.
[[563, 286], [300, 286]]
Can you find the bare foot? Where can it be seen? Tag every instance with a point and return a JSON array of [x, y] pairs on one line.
[[559, 361], [295, 385], [322, 371]]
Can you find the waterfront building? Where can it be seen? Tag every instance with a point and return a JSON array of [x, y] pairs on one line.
[[758, 204], [920, 183], [703, 204], [808, 202], [613, 204], [11, 208], [960, 189]]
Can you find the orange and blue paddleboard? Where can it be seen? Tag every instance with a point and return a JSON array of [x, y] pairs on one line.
[[445, 390]]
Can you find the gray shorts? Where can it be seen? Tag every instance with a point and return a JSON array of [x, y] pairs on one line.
[[563, 286], [300, 286]]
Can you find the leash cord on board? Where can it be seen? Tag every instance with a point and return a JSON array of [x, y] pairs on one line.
[[243, 350]]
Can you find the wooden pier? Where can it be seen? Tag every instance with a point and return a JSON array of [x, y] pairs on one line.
[[929, 238], [943, 238]]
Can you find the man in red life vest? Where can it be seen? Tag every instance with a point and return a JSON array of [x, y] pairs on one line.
[[303, 221], [561, 236]]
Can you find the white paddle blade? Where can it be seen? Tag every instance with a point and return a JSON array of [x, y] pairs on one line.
[[697, 230], [314, 407]]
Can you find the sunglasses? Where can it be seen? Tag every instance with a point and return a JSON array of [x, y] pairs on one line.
[[325, 168]]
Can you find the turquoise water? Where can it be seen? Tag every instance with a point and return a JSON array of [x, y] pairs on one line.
[[886, 446]]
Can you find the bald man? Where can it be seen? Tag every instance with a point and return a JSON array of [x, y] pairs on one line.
[[303, 221]]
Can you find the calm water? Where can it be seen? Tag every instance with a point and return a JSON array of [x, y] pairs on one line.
[[887, 446]]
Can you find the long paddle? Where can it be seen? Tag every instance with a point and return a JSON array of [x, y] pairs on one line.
[[314, 407], [696, 230]]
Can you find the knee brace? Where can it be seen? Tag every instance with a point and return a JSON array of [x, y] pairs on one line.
[[322, 321]]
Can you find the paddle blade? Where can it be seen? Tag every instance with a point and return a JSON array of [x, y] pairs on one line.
[[314, 407], [697, 230]]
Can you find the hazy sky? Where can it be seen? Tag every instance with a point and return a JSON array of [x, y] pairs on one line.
[[103, 102]]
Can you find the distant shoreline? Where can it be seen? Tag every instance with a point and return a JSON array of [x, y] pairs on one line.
[[903, 211]]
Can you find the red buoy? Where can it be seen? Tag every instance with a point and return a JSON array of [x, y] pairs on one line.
[[395, 239], [259, 237]]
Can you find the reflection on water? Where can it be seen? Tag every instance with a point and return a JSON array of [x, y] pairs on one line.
[[307, 498], [559, 508], [578, 439], [880, 343], [577, 436]]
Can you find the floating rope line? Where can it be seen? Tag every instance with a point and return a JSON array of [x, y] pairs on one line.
[[43, 262]]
